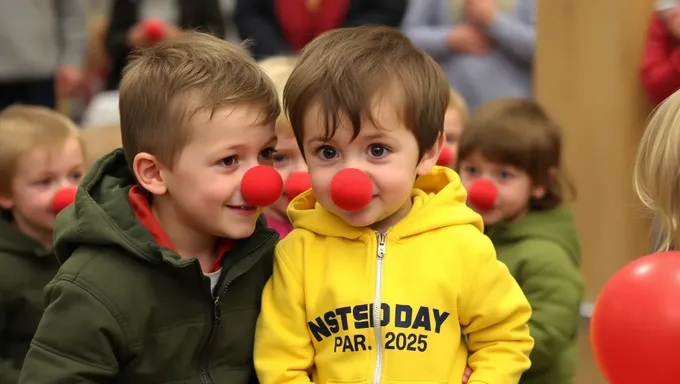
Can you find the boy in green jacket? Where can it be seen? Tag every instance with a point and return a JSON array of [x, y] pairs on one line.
[[516, 146], [163, 260], [40, 153]]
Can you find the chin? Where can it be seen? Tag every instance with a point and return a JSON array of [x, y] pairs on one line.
[[239, 231]]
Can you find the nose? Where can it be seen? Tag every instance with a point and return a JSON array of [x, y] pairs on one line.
[[351, 189], [482, 194], [261, 186], [297, 183], [445, 157], [63, 198]]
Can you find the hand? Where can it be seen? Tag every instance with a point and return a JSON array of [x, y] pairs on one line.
[[469, 39], [68, 79], [480, 12], [467, 374]]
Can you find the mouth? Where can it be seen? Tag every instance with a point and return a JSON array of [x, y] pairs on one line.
[[243, 209]]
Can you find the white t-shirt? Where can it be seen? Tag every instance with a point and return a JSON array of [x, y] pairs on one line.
[[214, 278]]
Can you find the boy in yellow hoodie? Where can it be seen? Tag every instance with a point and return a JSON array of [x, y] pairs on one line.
[[387, 293]]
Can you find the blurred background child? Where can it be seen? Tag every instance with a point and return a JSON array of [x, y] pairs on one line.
[[454, 121], [661, 61], [40, 153], [514, 144], [287, 158]]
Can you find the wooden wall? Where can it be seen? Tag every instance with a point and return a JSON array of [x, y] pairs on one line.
[[587, 75]]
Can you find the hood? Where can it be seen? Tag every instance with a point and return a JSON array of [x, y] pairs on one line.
[[14, 242], [438, 201], [556, 225]]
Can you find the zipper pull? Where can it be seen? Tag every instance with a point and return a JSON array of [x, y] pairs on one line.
[[218, 311], [381, 245]]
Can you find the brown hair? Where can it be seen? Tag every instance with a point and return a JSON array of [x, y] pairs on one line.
[[344, 69], [457, 102], [279, 68], [519, 133], [164, 86], [23, 128]]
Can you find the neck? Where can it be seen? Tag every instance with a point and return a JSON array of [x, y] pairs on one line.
[[43, 237], [385, 224], [185, 239]]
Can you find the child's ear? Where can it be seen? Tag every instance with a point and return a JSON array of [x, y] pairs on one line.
[[6, 202], [539, 191], [150, 173], [430, 157]]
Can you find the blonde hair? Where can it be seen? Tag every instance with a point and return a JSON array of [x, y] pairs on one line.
[[656, 175], [164, 86], [279, 69], [23, 128], [457, 102]]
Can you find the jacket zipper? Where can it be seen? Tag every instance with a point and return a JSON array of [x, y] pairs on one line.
[[217, 317], [380, 253]]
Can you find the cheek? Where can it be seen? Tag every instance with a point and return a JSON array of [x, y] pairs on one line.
[[34, 199], [214, 187]]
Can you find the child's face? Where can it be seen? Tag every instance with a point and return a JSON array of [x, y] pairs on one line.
[[453, 127], [389, 156], [514, 187], [40, 173], [287, 160], [204, 184]]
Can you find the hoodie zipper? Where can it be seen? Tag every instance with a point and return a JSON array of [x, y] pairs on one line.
[[203, 373], [380, 253]]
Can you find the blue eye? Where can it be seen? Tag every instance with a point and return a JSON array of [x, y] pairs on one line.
[[326, 152], [378, 151], [279, 158]]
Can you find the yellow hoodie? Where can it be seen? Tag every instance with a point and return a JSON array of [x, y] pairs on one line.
[[349, 305]]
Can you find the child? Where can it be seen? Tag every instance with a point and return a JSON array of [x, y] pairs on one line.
[[661, 62], [454, 121], [40, 153], [287, 158], [163, 262], [656, 170], [514, 144], [385, 293]]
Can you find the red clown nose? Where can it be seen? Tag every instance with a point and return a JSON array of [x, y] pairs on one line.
[[445, 157], [351, 189], [154, 30], [297, 183], [261, 186], [482, 194], [63, 198]]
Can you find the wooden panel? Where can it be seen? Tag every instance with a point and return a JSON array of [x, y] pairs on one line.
[[587, 76]]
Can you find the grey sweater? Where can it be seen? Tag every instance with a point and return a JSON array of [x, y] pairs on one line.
[[503, 72], [38, 36]]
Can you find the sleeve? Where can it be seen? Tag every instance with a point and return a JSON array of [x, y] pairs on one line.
[[421, 27], [494, 314], [516, 35], [661, 63], [380, 12], [554, 288], [255, 25], [76, 341], [72, 24], [284, 352], [9, 374]]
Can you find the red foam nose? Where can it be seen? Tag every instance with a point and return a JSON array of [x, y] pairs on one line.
[[63, 198], [482, 194], [154, 30], [261, 186], [445, 157], [297, 183], [351, 189]]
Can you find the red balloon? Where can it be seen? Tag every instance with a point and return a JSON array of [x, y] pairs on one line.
[[261, 186], [351, 189], [297, 183], [635, 327], [445, 157], [482, 194], [154, 30], [63, 198]]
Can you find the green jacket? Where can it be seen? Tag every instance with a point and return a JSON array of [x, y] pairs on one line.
[[25, 268], [123, 309], [542, 251]]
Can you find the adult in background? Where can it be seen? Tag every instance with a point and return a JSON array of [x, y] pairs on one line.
[[43, 47], [279, 27], [126, 27]]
